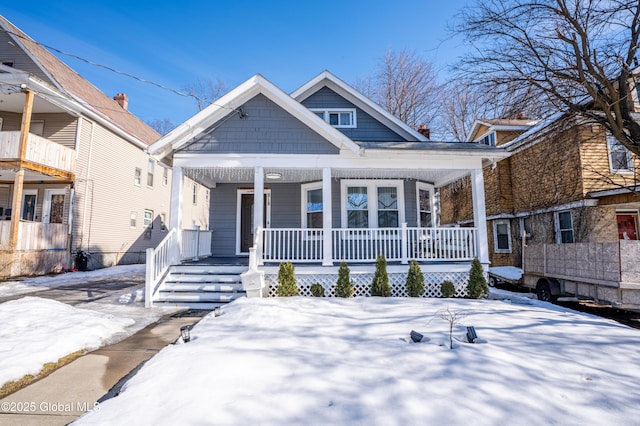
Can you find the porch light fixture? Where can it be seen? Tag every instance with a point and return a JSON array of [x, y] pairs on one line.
[[273, 175], [185, 333]]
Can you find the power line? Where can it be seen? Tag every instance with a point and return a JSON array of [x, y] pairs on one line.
[[116, 71]]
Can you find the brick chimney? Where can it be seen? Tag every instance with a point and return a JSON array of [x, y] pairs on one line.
[[422, 129], [121, 98]]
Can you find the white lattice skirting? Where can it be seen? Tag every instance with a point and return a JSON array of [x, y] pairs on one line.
[[362, 283]]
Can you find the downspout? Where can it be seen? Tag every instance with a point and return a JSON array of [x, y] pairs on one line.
[[86, 191]]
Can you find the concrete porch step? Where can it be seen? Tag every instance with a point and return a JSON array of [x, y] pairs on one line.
[[190, 296], [208, 287], [207, 270], [199, 278], [204, 306]]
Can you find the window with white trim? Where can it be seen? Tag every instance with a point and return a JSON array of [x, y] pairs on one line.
[[372, 203], [488, 139], [312, 206], [148, 219], [501, 236], [620, 158], [150, 169], [165, 176], [194, 194], [564, 227], [137, 176], [337, 117], [425, 204], [132, 219]]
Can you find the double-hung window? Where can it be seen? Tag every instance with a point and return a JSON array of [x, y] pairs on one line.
[[150, 170], [312, 205], [425, 204], [501, 236], [372, 203], [620, 158], [564, 227]]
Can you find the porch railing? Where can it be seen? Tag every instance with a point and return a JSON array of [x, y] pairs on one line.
[[39, 150], [195, 243], [364, 245], [35, 236], [159, 260]]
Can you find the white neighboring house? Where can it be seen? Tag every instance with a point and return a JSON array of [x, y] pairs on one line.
[[74, 171]]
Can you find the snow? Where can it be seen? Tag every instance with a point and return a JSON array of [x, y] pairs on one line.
[[36, 331], [32, 284], [507, 272], [290, 361]]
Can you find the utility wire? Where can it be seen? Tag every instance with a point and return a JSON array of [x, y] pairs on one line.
[[96, 64]]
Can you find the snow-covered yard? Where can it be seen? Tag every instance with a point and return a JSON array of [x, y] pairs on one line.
[[36, 331], [333, 361]]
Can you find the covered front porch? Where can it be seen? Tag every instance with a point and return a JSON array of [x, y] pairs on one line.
[[310, 217]]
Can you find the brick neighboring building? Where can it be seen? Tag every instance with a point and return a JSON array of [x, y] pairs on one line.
[[565, 181]]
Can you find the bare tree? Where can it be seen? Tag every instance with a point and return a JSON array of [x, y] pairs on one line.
[[162, 126], [465, 102], [575, 56], [205, 91], [406, 85]]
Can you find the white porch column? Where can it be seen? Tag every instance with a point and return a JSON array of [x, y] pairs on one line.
[[480, 215], [175, 212], [258, 199], [327, 218]]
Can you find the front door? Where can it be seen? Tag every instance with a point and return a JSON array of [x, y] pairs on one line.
[[245, 235], [53, 206], [627, 226]]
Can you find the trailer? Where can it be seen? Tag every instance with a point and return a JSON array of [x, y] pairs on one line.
[[505, 275], [607, 273]]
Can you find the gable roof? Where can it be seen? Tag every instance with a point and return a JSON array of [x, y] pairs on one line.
[[232, 102], [326, 79], [80, 90], [500, 125]]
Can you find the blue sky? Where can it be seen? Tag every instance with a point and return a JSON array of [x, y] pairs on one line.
[[176, 43]]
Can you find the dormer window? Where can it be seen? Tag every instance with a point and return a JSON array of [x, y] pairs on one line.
[[489, 139], [339, 118]]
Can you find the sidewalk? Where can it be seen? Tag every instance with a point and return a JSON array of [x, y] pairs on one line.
[[80, 386]]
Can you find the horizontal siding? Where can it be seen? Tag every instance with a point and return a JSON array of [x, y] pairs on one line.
[[368, 130], [285, 210], [223, 219], [59, 128], [267, 128], [106, 195], [21, 61]]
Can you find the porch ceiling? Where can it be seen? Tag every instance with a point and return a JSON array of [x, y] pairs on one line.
[[8, 176], [213, 175]]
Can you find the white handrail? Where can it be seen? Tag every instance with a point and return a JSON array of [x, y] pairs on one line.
[[293, 244], [158, 262], [365, 244]]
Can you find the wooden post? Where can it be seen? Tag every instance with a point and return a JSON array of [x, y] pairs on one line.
[[16, 202]]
